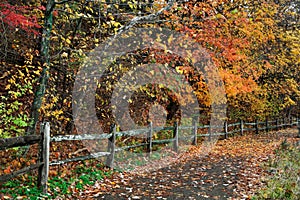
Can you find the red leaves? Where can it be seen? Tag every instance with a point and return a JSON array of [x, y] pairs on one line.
[[19, 17]]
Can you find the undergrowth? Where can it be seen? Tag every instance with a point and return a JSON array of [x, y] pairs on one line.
[[58, 186], [284, 181]]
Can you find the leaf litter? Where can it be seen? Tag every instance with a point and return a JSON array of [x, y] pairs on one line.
[[234, 169]]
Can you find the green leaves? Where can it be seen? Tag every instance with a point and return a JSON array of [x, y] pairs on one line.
[[234, 11]]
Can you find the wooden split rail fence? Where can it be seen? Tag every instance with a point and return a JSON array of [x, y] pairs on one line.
[[44, 140], [43, 163]]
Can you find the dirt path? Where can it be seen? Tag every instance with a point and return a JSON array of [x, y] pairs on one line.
[[232, 170]]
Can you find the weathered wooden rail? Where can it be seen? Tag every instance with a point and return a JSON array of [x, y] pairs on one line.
[[44, 140], [228, 129], [19, 141]]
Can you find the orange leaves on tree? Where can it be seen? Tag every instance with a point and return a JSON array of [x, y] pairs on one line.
[[235, 84], [7, 170]]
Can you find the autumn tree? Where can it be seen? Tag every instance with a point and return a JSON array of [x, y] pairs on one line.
[[253, 44], [19, 72], [281, 81]]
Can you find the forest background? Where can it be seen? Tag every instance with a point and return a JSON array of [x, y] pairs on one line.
[[254, 44]]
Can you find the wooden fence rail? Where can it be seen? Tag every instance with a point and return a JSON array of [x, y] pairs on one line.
[[19, 141], [44, 140]]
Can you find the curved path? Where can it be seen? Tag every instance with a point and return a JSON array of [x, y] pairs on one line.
[[233, 170]]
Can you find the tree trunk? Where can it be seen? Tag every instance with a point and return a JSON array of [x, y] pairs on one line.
[[45, 60]]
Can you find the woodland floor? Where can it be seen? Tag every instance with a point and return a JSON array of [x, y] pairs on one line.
[[234, 169]]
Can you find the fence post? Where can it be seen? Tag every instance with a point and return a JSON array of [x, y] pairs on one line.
[[267, 125], [283, 123], [43, 170], [241, 126], [149, 138], [298, 127], [256, 126], [226, 129], [194, 132], [277, 128], [175, 135], [209, 132], [111, 147]]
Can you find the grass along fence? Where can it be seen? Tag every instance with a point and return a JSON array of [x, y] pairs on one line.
[[44, 140]]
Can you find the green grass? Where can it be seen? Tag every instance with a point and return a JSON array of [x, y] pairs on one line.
[[59, 186], [284, 183]]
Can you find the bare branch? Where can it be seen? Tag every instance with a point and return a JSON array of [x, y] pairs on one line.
[[61, 2], [139, 19]]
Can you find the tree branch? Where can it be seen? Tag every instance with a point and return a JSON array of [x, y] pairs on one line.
[[139, 19], [61, 2]]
